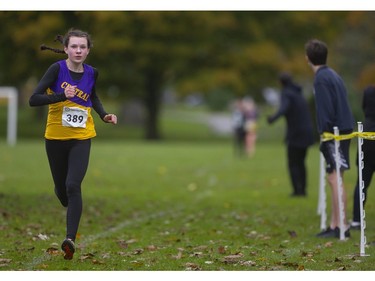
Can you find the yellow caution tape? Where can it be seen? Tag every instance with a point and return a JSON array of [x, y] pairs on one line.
[[364, 135]]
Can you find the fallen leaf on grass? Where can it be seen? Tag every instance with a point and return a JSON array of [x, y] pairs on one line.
[[192, 266], [252, 234], [86, 256], [196, 254], [151, 248], [353, 256], [131, 241], [4, 261], [301, 267], [122, 244], [328, 244], [201, 247], [307, 254], [137, 251], [294, 265], [125, 244], [221, 249], [53, 251], [106, 255], [248, 263], [41, 236], [124, 254], [232, 258], [263, 237], [178, 256]]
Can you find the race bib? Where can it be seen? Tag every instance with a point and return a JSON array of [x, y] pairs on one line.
[[74, 117]]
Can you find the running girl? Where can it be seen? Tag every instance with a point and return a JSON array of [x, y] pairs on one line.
[[68, 88]]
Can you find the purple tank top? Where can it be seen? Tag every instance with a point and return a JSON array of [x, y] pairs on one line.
[[84, 85]]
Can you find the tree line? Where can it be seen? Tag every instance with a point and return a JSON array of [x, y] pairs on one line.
[[139, 54]]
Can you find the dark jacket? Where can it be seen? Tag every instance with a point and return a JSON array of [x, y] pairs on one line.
[[331, 99], [368, 107], [293, 106]]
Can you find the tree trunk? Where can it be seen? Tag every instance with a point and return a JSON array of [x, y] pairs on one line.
[[153, 104]]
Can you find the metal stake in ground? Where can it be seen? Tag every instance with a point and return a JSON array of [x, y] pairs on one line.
[[360, 190], [339, 185]]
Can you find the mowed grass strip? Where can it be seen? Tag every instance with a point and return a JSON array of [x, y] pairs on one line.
[[173, 206]]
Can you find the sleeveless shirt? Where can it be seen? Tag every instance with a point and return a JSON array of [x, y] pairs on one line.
[[71, 119]]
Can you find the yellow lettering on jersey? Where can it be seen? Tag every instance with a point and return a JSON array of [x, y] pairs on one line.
[[79, 93], [64, 85], [82, 95]]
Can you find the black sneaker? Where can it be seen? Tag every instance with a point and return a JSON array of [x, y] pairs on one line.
[[346, 233], [332, 233], [69, 248], [328, 233]]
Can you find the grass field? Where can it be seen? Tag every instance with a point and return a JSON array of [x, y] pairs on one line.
[[183, 204], [168, 206]]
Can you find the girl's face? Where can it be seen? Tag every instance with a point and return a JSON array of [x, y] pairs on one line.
[[77, 49]]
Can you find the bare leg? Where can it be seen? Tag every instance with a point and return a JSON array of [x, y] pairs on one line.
[[250, 143], [335, 218]]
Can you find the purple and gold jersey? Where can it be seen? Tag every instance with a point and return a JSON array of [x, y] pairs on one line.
[[71, 119]]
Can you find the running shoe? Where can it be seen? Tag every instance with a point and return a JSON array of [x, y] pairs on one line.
[[328, 233], [355, 225], [69, 248], [333, 233]]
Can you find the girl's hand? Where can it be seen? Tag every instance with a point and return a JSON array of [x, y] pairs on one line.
[[110, 118], [70, 91]]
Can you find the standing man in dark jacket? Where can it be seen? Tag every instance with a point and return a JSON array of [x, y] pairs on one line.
[[299, 131], [332, 110], [368, 149]]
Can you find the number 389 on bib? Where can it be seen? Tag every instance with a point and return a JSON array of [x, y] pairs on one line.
[[74, 117]]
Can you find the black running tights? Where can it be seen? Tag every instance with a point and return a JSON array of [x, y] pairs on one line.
[[68, 161]]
